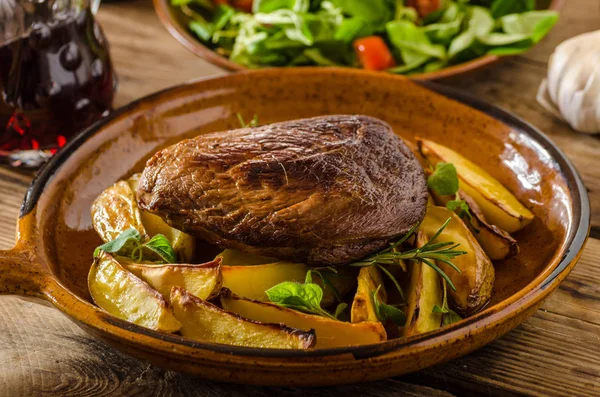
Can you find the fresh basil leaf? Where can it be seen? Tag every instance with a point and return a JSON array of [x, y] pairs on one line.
[[339, 310], [500, 8], [161, 246], [290, 293], [444, 179], [116, 245], [534, 24], [387, 312], [460, 207], [394, 314], [440, 310], [450, 318]]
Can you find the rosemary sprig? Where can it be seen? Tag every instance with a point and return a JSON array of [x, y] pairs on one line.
[[443, 252]]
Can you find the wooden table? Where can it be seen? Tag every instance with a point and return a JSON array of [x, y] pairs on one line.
[[556, 352]]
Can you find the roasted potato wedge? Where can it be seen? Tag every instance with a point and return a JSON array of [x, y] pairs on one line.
[[204, 321], [124, 295], [496, 243], [475, 282], [363, 307], [330, 333], [233, 257], [251, 281], [203, 281], [500, 207], [183, 244], [115, 211], [424, 293]]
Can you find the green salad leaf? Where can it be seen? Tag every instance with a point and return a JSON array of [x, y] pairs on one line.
[[322, 32], [499, 8]]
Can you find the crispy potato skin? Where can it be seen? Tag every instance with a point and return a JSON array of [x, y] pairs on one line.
[[203, 281], [475, 282], [115, 210], [499, 206], [330, 333], [363, 307], [424, 293], [201, 320], [496, 243], [250, 275], [124, 295]]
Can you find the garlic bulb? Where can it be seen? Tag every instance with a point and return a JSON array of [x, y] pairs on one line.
[[572, 89]]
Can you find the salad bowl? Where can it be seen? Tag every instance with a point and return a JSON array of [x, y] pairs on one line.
[[55, 239], [177, 23]]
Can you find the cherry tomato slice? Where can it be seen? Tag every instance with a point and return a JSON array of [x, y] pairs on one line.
[[373, 53]]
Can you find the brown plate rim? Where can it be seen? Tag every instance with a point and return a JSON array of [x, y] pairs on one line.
[[572, 245]]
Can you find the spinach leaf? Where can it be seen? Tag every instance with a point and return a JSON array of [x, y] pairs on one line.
[[375, 12], [466, 46], [350, 29], [499, 8], [535, 24], [413, 43], [267, 6]]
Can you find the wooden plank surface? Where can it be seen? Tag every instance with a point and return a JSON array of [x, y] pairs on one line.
[[555, 353]]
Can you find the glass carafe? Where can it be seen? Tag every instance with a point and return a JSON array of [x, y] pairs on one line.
[[56, 77]]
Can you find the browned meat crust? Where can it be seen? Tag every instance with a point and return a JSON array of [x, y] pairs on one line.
[[323, 191]]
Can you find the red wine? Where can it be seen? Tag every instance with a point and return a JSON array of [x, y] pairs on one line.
[[55, 81]]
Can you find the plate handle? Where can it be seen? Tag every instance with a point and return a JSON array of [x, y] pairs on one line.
[[22, 274]]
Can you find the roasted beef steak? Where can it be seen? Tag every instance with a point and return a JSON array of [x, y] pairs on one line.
[[324, 191]]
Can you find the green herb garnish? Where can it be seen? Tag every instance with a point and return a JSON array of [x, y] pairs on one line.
[[324, 273], [448, 316], [387, 312], [130, 243], [444, 181], [305, 297], [429, 253], [251, 123]]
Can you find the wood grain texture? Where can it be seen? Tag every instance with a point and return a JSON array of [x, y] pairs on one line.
[[555, 353]]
